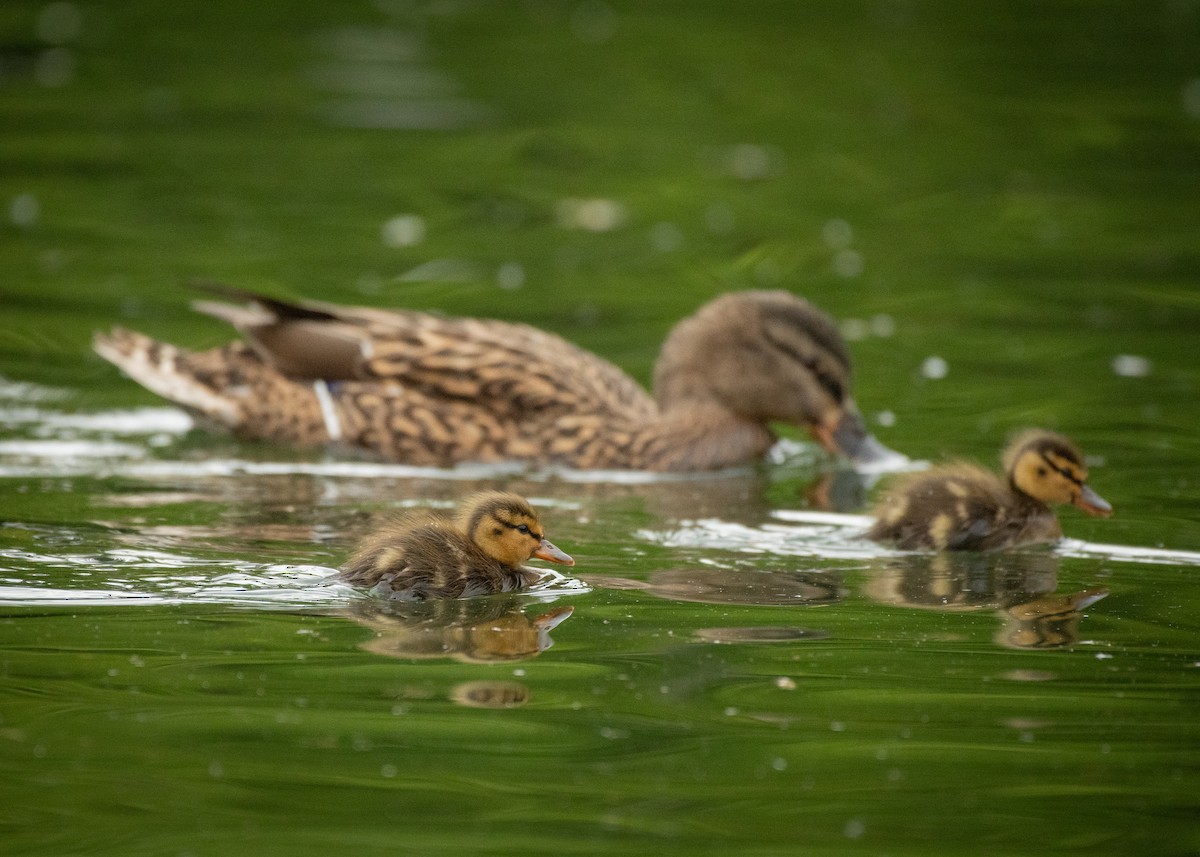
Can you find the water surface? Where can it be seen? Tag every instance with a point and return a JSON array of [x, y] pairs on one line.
[[998, 207]]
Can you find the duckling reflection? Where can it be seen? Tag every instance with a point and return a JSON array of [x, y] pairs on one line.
[[727, 586], [480, 630], [1020, 586], [490, 694], [1046, 623]]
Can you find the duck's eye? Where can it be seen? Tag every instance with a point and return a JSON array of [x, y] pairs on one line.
[[522, 528], [1041, 471]]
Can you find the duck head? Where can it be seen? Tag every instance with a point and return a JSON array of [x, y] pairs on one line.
[[505, 527], [767, 356], [1050, 468]]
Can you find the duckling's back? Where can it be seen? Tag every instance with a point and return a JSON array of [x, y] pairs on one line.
[[421, 557], [959, 507]]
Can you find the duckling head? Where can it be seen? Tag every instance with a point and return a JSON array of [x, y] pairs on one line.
[[505, 527], [767, 356], [1050, 468]]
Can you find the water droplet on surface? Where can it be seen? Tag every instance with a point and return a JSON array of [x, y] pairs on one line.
[[837, 234], [720, 218], [848, 263], [1131, 366], [594, 22], [510, 276], [24, 210], [750, 161], [883, 325], [666, 237], [854, 329], [404, 230], [59, 23], [1191, 98], [590, 215], [54, 68], [935, 368]]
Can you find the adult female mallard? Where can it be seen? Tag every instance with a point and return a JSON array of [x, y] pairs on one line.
[[422, 556], [427, 390], [964, 507]]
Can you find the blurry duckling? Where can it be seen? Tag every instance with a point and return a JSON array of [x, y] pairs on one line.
[[961, 506], [422, 556]]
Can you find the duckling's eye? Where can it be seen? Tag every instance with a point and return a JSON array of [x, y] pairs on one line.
[[521, 528], [1041, 471]]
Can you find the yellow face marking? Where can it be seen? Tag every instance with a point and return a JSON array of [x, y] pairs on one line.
[[512, 541]]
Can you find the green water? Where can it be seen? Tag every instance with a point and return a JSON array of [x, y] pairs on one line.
[[1008, 187]]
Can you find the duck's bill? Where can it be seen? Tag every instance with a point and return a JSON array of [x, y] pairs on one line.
[[1093, 503], [851, 439], [550, 553]]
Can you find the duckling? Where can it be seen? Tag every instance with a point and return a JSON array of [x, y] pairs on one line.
[[480, 552], [964, 507], [427, 390]]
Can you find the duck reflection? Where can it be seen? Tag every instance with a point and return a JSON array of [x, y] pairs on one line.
[[476, 630], [490, 694], [1021, 586], [840, 490], [729, 586]]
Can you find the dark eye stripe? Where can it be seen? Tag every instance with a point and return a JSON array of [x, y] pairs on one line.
[[529, 530], [830, 384], [1062, 470]]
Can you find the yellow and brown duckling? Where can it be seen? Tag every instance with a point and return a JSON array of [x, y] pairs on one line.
[[423, 389], [480, 552], [964, 507]]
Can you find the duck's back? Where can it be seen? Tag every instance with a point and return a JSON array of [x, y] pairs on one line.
[[410, 386], [959, 507]]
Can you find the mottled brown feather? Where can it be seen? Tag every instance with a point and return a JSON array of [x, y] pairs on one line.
[[423, 389]]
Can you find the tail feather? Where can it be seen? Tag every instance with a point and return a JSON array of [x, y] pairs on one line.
[[262, 307], [159, 367]]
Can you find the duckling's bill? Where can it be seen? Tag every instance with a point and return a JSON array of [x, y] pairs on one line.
[[547, 551], [1093, 503]]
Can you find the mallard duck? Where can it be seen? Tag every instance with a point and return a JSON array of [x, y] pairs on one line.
[[964, 507], [423, 389], [422, 556]]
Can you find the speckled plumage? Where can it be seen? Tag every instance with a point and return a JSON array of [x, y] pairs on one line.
[[422, 389], [961, 506]]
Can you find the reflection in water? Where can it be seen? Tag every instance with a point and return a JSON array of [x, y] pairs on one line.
[[1020, 585], [490, 694], [473, 630], [727, 586], [760, 634], [1047, 623], [944, 581], [840, 490]]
